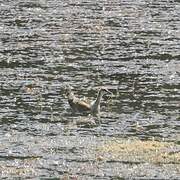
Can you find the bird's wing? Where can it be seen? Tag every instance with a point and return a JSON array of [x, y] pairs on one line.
[[82, 105]]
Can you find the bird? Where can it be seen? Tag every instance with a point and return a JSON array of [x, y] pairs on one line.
[[82, 106]]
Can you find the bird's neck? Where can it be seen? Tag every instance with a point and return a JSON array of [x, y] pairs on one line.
[[99, 97]]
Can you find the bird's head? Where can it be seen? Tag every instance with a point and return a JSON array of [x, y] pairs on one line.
[[104, 90]]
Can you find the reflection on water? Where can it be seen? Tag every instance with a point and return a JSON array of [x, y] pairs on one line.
[[132, 47]]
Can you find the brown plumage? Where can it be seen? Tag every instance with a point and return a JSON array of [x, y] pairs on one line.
[[79, 105]]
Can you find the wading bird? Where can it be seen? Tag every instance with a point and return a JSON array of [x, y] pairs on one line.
[[81, 106]]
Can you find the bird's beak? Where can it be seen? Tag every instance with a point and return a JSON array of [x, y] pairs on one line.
[[109, 92]]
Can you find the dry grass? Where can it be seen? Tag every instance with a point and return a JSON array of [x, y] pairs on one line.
[[19, 168], [140, 151]]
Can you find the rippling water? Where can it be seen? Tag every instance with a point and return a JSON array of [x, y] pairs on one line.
[[132, 47]]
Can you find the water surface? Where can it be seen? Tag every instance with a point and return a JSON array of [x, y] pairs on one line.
[[132, 47]]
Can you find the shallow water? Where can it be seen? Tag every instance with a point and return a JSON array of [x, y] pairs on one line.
[[132, 47]]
